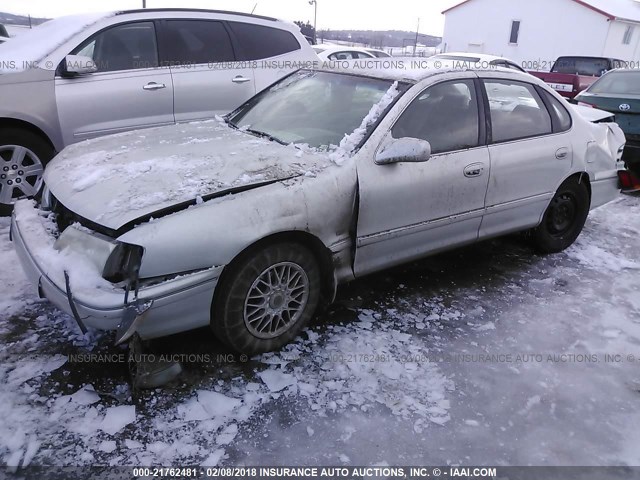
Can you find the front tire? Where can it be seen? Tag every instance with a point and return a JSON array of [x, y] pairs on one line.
[[267, 298], [23, 156], [564, 218]]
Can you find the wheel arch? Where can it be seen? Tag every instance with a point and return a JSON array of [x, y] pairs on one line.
[[314, 244], [579, 177], [6, 123]]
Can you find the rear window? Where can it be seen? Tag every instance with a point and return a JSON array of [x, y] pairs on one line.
[[257, 42], [618, 83], [593, 67], [560, 117]]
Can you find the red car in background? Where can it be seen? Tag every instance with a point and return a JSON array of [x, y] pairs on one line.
[[571, 75]]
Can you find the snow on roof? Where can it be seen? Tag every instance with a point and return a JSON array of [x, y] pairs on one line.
[[34, 45], [613, 9]]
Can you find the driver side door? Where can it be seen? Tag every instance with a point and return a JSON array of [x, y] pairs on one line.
[[410, 209]]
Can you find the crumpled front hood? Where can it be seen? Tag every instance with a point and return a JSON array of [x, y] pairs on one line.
[[117, 179]]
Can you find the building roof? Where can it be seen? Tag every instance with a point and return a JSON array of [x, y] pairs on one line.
[[612, 9]]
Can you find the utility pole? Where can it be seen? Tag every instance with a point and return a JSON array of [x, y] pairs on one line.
[[315, 20], [144, 3], [415, 44]]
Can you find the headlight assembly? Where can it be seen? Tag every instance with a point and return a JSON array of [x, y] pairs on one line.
[[123, 264]]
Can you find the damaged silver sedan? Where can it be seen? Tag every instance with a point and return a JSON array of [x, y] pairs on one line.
[[246, 224]]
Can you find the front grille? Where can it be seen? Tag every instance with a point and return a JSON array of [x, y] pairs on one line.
[[65, 217]]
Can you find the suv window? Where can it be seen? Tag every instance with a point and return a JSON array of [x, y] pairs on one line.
[[560, 115], [516, 111], [125, 47], [257, 42], [194, 42], [446, 115]]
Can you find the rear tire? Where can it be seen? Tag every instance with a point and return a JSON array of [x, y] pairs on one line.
[[564, 218], [267, 298], [23, 156]]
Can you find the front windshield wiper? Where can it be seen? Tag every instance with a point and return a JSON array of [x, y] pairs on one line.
[[259, 133]]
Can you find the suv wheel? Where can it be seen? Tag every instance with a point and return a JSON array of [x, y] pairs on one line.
[[23, 156]]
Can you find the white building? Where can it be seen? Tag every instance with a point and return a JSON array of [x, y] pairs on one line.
[[528, 31]]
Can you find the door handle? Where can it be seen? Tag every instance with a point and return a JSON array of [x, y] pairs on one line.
[[154, 86], [562, 153], [240, 79], [474, 170]]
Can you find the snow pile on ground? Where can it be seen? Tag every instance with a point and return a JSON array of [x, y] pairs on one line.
[[14, 285], [371, 364]]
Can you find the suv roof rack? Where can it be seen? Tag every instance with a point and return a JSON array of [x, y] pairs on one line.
[[199, 10]]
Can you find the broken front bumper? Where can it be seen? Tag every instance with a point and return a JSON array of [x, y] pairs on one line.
[[177, 305]]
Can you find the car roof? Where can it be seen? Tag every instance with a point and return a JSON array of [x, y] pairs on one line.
[[197, 10], [480, 56], [344, 48], [403, 69]]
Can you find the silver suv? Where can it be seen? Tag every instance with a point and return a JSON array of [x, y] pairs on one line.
[[84, 76]]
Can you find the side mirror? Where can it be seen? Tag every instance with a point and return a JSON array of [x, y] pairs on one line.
[[75, 65], [404, 150]]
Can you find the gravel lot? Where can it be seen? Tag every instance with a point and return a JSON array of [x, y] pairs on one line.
[[486, 355]]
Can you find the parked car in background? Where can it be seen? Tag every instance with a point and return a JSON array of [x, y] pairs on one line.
[[618, 92], [246, 225], [571, 75], [343, 53], [83, 76], [378, 53], [480, 60]]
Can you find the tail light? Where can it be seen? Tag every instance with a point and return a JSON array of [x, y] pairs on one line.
[[629, 182]]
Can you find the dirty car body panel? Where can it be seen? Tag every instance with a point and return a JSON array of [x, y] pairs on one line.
[[195, 198]]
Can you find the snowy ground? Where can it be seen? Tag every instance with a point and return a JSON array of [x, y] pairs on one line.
[[379, 379]]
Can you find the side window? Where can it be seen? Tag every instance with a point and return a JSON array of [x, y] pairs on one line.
[[193, 42], [125, 47], [349, 55], [516, 111], [446, 115], [560, 115], [257, 42]]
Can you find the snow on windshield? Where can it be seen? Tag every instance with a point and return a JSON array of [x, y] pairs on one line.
[[28, 49], [350, 142]]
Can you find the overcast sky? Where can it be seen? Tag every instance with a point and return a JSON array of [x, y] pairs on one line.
[[334, 14]]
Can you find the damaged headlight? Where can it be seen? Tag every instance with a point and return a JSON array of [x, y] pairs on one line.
[[123, 264]]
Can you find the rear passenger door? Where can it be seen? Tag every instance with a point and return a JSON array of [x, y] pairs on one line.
[[274, 52], [530, 150], [207, 81]]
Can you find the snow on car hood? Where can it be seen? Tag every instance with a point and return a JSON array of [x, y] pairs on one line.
[[120, 178]]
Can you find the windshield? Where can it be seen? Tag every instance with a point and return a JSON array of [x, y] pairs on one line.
[[35, 44], [592, 67], [618, 83], [313, 108]]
